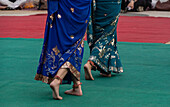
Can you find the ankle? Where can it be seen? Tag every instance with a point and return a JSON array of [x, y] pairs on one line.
[[77, 85], [92, 65]]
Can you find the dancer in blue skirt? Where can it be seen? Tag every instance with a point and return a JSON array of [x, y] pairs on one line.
[[62, 52]]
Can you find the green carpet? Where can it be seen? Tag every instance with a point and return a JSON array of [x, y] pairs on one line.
[[144, 83]]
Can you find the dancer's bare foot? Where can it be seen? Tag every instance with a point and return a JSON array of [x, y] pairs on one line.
[[105, 75], [87, 70], [75, 91], [55, 88], [56, 98]]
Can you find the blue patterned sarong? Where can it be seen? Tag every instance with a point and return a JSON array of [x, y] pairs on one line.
[[63, 39], [102, 36]]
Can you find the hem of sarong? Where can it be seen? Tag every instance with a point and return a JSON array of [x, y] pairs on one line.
[[72, 69], [48, 80], [45, 79], [104, 68]]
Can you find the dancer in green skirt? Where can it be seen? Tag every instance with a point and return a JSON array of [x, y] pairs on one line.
[[102, 39]]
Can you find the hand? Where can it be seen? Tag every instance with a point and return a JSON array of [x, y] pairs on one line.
[[131, 4]]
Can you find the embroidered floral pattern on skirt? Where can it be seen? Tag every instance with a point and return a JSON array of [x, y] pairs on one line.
[[102, 36]]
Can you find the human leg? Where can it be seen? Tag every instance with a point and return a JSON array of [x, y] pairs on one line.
[[19, 3], [87, 69], [76, 90], [56, 83]]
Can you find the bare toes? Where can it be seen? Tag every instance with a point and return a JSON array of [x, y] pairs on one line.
[[58, 98]]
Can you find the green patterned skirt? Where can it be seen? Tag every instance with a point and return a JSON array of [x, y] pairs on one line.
[[102, 36]]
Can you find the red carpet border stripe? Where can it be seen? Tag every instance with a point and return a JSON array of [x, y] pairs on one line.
[[130, 28]]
